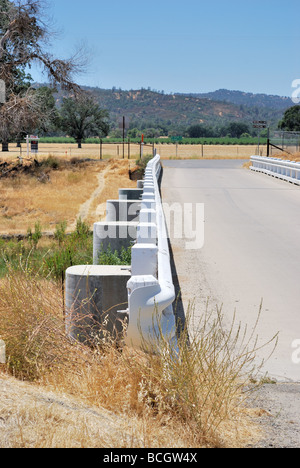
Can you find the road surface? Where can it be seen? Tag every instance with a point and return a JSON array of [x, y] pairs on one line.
[[251, 252]]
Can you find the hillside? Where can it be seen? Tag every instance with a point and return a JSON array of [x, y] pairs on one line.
[[160, 108], [213, 109], [146, 108], [241, 98]]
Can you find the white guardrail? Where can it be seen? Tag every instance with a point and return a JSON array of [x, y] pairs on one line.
[[282, 169], [151, 292]]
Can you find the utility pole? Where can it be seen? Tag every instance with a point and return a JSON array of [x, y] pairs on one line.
[[123, 137], [2, 101], [259, 124], [2, 92]]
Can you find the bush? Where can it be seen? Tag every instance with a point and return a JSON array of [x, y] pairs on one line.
[[142, 163], [52, 162], [35, 236], [109, 257]]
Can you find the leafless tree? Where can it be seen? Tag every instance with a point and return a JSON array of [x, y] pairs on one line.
[[24, 37]]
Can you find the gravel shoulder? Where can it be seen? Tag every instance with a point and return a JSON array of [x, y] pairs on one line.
[[280, 420]]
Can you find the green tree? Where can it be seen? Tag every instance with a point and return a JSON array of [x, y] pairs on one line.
[[47, 106], [82, 118], [291, 120], [199, 131], [236, 129]]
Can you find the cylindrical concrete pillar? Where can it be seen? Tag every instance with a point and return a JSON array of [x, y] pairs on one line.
[[130, 194], [93, 297], [122, 210], [114, 234]]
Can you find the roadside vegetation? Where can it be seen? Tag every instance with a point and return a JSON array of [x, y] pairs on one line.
[[194, 397], [47, 257]]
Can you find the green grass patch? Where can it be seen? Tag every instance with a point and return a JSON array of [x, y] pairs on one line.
[[51, 259]]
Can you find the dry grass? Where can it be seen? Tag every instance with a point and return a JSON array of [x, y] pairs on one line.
[[209, 151], [116, 176], [71, 151], [165, 150], [25, 199], [288, 156], [153, 399]]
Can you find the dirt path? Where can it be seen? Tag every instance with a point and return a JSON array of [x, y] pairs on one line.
[[84, 210]]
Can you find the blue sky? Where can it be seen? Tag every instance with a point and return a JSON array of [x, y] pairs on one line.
[[182, 46]]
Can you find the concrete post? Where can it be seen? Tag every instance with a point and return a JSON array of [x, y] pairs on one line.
[[130, 194], [147, 233], [144, 260], [94, 295], [122, 210], [148, 216], [114, 234]]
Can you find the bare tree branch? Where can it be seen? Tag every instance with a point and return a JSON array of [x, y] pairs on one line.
[[23, 35]]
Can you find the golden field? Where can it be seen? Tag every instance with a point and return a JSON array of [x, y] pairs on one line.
[[64, 194], [81, 189], [116, 151], [83, 182]]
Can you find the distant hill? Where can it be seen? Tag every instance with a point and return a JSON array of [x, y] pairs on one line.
[[156, 107], [213, 109], [247, 99], [178, 111]]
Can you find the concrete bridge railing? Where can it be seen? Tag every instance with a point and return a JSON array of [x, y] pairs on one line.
[[151, 292], [96, 295], [282, 169]]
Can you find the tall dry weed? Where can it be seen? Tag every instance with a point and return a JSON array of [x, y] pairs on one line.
[[191, 395]]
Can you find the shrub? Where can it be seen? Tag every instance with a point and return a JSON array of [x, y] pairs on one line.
[[35, 236], [52, 162], [142, 163], [60, 232], [108, 257]]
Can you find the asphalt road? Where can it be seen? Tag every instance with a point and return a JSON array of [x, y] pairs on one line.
[[251, 253]]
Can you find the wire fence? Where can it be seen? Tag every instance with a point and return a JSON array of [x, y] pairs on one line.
[[288, 142], [107, 150], [133, 151]]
